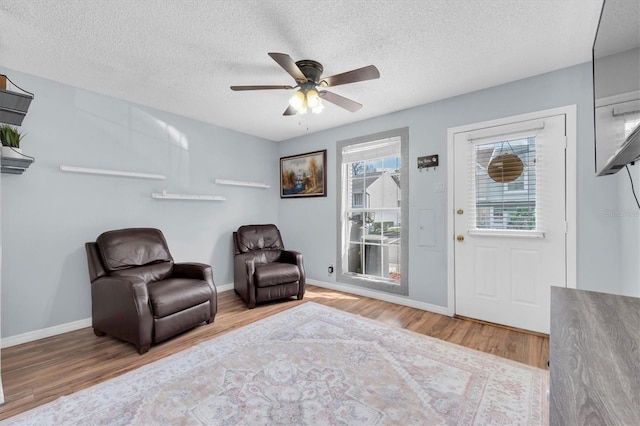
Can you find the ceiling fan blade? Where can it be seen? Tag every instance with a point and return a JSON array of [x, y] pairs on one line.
[[361, 74], [290, 111], [341, 101], [289, 66], [239, 88]]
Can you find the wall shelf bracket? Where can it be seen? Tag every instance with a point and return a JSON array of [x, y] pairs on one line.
[[166, 196], [242, 183], [88, 170]]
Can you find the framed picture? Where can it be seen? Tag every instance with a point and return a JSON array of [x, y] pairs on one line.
[[304, 175]]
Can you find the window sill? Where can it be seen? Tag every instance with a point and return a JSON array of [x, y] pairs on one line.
[[371, 279]]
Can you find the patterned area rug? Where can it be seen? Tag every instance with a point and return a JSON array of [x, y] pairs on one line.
[[313, 365]]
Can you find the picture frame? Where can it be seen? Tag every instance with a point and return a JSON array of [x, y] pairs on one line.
[[304, 175]]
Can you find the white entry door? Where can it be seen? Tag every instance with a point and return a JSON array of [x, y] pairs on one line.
[[510, 221]]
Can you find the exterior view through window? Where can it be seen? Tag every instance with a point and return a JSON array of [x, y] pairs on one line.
[[505, 185], [372, 178]]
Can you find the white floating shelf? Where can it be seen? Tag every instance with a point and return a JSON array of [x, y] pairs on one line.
[[165, 196], [242, 183], [88, 170]]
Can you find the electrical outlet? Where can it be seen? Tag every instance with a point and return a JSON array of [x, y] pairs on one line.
[[330, 269]]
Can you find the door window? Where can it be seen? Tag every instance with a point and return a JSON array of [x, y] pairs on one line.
[[504, 182]]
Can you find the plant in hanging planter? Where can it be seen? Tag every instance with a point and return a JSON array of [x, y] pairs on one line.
[[10, 137]]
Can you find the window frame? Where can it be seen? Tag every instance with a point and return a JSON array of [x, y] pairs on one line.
[[367, 281]]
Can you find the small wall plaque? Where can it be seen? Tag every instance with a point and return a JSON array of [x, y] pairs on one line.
[[428, 161]]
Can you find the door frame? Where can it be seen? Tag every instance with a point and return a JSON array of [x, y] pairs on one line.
[[570, 112]]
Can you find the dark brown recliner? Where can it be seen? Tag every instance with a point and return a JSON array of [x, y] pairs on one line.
[[139, 295], [263, 269]]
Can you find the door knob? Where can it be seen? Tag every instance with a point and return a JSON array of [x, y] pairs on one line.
[[460, 211], [460, 238]]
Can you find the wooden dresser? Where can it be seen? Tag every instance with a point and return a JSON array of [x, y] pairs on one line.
[[594, 348]]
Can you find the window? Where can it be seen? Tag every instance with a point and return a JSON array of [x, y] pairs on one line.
[[506, 201], [372, 213], [357, 199]]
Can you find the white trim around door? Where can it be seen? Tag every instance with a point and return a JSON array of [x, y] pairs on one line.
[[570, 112]]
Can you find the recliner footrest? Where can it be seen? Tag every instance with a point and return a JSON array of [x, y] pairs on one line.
[[275, 273], [168, 296]]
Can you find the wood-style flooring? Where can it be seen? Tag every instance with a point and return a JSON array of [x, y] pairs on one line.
[[41, 371]]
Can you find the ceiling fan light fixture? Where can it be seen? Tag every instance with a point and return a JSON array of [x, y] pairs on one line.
[[318, 109], [297, 100], [307, 75], [313, 99]]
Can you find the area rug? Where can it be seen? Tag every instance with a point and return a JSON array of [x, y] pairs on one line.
[[312, 365]]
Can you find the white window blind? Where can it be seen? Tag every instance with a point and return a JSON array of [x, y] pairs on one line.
[[389, 147], [505, 185]]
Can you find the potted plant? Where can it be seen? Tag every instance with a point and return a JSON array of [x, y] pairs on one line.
[[10, 137]]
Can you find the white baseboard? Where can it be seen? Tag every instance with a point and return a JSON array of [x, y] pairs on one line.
[[45, 332], [442, 310], [224, 287], [76, 325], [65, 328]]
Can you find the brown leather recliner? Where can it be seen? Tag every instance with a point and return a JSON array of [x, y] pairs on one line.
[[263, 269], [139, 295]]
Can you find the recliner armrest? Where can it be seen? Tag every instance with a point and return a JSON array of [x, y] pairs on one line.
[[195, 270], [122, 287], [199, 271], [291, 256], [120, 307], [244, 267]]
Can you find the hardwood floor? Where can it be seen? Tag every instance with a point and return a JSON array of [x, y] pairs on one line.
[[37, 372]]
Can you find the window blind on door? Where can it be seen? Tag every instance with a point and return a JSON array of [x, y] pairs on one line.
[[505, 184]]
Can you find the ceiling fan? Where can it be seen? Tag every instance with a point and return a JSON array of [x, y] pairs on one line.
[[308, 77]]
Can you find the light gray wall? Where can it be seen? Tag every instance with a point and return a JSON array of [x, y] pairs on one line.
[[310, 224], [619, 74], [627, 217], [48, 215]]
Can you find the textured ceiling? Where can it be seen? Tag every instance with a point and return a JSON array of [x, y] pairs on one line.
[[182, 56]]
